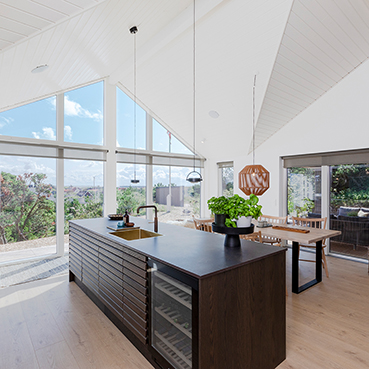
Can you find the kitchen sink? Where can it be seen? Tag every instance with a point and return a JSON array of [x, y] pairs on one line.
[[135, 234]]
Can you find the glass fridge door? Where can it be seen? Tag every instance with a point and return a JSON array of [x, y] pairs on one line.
[[171, 319]]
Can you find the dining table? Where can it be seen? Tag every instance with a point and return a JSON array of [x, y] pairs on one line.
[[301, 235]]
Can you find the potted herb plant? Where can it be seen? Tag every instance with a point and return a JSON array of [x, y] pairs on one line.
[[219, 207], [240, 208]]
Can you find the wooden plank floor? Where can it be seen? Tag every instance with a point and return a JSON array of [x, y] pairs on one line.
[[52, 324]]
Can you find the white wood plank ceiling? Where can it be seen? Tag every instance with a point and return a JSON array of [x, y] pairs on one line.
[[301, 49], [22, 18], [323, 42]]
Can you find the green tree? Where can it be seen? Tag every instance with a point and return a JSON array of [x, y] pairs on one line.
[[26, 210], [130, 199]]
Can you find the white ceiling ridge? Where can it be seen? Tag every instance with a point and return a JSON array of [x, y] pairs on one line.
[[47, 28], [130, 94], [270, 77], [172, 30]]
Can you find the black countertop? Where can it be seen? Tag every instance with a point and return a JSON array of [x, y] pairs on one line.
[[197, 253]]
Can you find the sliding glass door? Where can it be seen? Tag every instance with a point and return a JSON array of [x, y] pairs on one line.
[[304, 192], [349, 209]]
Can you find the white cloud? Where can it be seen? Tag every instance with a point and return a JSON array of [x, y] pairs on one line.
[[4, 121], [68, 132], [48, 133], [74, 109], [52, 101]]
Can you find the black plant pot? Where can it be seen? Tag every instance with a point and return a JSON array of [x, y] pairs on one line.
[[219, 219]]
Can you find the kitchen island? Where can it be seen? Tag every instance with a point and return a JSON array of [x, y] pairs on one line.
[[182, 298]]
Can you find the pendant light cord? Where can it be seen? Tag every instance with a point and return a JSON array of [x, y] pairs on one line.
[[135, 103], [194, 85], [253, 122]]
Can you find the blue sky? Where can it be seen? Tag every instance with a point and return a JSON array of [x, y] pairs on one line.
[[83, 123]]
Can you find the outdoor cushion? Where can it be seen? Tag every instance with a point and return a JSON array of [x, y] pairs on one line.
[[345, 211], [362, 213]]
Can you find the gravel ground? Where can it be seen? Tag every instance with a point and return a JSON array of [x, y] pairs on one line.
[[31, 244]]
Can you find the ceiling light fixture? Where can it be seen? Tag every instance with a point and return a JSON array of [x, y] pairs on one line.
[[194, 176], [214, 114], [40, 68], [133, 31], [253, 178]]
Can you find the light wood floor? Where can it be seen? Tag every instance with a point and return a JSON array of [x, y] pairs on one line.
[[52, 324]]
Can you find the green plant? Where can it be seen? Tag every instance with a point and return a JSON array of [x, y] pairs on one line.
[[237, 207], [218, 205]]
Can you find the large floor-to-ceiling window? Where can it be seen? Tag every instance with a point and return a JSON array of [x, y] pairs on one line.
[[51, 167], [150, 153], [77, 155]]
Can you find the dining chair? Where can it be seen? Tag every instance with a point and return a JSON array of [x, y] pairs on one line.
[[271, 219], [256, 236], [203, 224], [313, 223]]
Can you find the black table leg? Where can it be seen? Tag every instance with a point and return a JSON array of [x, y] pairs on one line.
[[318, 261], [295, 268]]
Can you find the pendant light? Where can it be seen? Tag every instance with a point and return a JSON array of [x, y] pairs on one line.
[[253, 178], [194, 176], [133, 31]]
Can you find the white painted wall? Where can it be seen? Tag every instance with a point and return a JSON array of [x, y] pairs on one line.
[[339, 120]]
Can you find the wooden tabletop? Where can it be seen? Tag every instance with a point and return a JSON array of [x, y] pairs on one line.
[[313, 236]]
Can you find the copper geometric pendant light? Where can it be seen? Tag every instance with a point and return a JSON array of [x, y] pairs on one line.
[[253, 178]]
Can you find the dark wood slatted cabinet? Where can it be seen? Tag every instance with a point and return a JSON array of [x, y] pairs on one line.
[[231, 317]]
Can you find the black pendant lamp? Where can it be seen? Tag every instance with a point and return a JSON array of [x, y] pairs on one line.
[[133, 31], [194, 176]]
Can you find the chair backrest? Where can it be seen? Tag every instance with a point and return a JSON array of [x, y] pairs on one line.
[[273, 219], [256, 236], [203, 224], [310, 222]]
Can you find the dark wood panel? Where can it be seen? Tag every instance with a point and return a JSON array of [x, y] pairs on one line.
[[135, 317], [112, 250], [134, 292], [118, 302], [141, 281], [104, 277], [106, 284], [242, 314], [138, 310], [134, 323], [116, 265], [141, 272], [76, 270], [114, 271], [137, 302], [83, 239], [135, 285], [141, 264], [112, 276]]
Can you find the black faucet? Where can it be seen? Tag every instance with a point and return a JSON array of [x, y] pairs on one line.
[[156, 215]]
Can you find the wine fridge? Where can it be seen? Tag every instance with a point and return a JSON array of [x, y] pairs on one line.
[[173, 319]]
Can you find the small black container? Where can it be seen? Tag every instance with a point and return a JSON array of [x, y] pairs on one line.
[[219, 219]]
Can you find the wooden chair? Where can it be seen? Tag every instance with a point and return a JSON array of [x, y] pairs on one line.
[[273, 220], [203, 224], [256, 236], [313, 223]]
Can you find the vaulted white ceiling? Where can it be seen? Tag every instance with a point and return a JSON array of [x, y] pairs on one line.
[[323, 42], [298, 54]]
